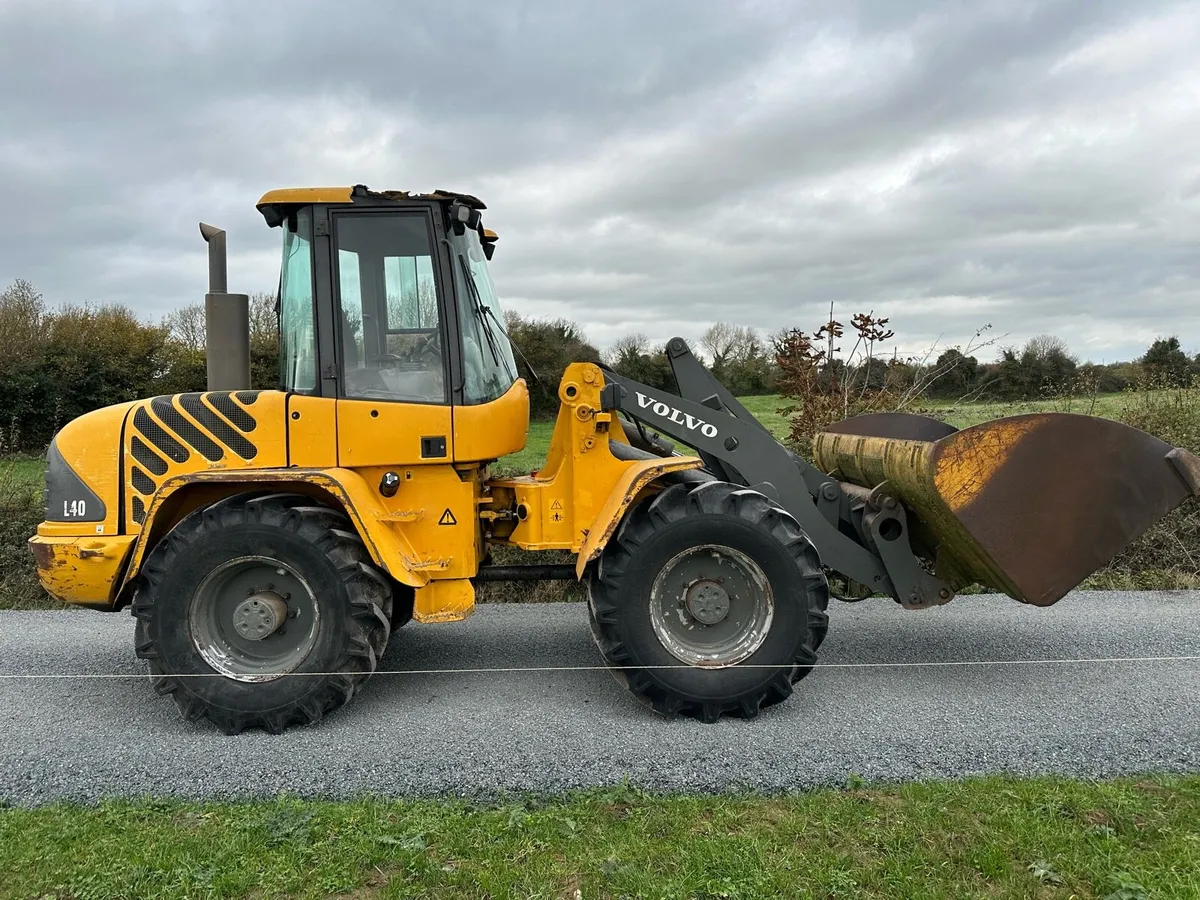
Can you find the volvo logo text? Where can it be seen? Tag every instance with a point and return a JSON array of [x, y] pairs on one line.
[[671, 414]]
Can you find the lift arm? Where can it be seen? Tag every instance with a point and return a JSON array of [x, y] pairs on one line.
[[863, 535], [732, 442]]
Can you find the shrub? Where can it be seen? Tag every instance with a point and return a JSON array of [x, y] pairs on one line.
[[20, 512], [549, 346], [1168, 554], [825, 386], [61, 363], [634, 357]]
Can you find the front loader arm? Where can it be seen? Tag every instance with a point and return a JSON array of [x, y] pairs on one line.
[[732, 443]]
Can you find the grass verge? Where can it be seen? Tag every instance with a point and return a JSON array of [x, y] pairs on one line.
[[992, 837]]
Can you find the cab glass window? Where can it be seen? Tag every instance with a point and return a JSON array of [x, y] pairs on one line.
[[389, 313], [297, 334], [488, 365]]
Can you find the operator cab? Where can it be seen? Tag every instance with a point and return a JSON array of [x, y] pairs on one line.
[[386, 296]]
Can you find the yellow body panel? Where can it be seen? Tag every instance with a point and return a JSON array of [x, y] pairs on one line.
[[491, 430], [375, 522], [633, 480], [304, 196], [312, 432], [434, 510], [583, 490], [381, 433], [444, 601], [84, 570], [91, 446]]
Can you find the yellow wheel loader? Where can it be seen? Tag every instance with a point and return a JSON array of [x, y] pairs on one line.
[[269, 541]]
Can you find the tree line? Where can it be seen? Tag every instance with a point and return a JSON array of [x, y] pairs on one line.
[[63, 361]]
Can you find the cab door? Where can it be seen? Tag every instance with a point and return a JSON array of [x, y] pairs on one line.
[[394, 394]]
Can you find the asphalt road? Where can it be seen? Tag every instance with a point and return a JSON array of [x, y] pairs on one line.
[[480, 734]]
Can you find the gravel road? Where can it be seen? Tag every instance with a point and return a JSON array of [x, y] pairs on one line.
[[479, 734]]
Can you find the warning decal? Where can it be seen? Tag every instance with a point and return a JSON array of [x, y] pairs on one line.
[[447, 518], [557, 504]]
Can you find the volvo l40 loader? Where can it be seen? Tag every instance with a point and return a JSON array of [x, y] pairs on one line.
[[269, 541]]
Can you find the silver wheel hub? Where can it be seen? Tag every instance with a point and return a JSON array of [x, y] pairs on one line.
[[260, 615], [254, 618], [711, 606], [707, 602]]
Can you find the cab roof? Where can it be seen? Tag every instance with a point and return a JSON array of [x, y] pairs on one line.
[[276, 205]]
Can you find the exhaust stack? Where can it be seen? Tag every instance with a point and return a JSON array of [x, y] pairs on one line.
[[226, 321]]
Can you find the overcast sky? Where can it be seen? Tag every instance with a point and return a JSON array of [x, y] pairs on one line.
[[650, 166]]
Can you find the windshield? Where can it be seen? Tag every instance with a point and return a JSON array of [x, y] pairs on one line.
[[488, 365]]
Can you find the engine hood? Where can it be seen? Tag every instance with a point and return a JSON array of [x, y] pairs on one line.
[[83, 472]]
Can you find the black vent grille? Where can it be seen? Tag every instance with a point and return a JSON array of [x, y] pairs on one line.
[[247, 397], [223, 403], [157, 435], [141, 481], [147, 457], [173, 419], [139, 510], [193, 405]]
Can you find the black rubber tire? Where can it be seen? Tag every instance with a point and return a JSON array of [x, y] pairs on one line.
[[355, 600], [687, 515], [404, 599]]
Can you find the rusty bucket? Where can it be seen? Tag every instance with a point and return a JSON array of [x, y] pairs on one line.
[[1029, 505]]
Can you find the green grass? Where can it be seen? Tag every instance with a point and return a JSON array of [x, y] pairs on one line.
[[992, 837], [964, 415], [766, 408], [533, 457], [19, 472]]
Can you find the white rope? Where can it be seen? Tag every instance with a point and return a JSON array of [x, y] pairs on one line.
[[31, 676]]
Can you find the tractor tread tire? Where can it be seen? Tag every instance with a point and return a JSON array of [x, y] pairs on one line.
[[331, 538], [612, 600]]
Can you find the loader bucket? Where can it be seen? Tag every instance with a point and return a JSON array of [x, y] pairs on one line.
[[1029, 505]]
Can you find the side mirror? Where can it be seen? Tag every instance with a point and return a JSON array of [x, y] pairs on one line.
[[488, 238]]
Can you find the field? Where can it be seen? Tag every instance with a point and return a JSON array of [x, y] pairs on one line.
[[24, 471], [992, 837], [766, 408]]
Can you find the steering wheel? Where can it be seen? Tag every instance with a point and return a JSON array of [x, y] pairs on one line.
[[387, 357]]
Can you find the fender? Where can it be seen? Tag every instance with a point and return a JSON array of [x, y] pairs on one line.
[[636, 478], [178, 496]]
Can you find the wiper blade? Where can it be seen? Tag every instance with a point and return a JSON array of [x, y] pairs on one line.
[[491, 312], [480, 309]]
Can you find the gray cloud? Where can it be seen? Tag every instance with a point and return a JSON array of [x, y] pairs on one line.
[[650, 167]]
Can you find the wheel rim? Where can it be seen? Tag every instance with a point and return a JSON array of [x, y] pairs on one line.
[[711, 606], [254, 618]]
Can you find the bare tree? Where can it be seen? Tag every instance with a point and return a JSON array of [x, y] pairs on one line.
[[23, 321], [186, 326], [1045, 347], [720, 341], [264, 321], [625, 348]]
